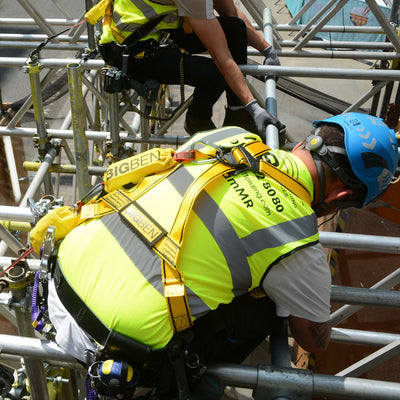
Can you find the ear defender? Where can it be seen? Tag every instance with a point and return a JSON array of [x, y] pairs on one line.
[[314, 143]]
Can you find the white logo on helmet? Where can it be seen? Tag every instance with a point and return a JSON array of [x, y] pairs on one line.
[[368, 145]]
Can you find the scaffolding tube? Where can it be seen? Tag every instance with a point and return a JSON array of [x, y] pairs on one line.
[[34, 367], [339, 240], [39, 20], [12, 242], [34, 348], [280, 354], [33, 37], [365, 338], [272, 134], [31, 21], [255, 70], [315, 72], [371, 361], [39, 177], [63, 168], [19, 214], [338, 44], [78, 125], [289, 27], [16, 226], [266, 377], [365, 296], [346, 311], [50, 46], [33, 264], [383, 21], [66, 134], [304, 382], [335, 53]]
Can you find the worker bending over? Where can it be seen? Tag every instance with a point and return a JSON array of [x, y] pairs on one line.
[[214, 253]]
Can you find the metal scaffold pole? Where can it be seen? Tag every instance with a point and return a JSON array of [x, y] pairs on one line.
[[105, 127], [78, 124]]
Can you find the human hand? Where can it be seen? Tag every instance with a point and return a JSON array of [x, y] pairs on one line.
[[262, 118], [271, 57]]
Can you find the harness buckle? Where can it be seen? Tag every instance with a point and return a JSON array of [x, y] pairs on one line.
[[245, 159]]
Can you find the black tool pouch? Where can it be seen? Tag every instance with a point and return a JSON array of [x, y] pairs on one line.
[[143, 358], [112, 53]]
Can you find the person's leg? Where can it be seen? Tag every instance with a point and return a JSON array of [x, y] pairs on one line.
[[229, 334], [170, 66], [235, 32], [232, 331], [168, 63]]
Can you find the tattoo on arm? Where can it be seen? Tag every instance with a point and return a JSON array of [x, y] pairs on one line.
[[321, 332]]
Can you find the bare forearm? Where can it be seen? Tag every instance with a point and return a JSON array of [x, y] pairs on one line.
[[311, 336], [254, 38], [228, 9], [213, 38], [235, 79]]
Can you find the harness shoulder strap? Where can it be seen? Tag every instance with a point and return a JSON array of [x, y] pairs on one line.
[[167, 244], [256, 150]]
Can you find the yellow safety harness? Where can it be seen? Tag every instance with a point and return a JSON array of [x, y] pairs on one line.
[[168, 244], [158, 164]]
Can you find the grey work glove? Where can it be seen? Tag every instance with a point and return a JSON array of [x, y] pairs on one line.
[[271, 58], [262, 118]]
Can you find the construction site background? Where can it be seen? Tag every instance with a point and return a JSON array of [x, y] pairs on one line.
[[349, 267]]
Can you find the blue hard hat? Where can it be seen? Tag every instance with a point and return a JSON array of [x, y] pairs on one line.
[[371, 148]]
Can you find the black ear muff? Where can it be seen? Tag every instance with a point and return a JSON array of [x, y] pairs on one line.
[[314, 143]]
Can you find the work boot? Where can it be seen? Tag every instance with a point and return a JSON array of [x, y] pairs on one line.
[[240, 118], [194, 124]]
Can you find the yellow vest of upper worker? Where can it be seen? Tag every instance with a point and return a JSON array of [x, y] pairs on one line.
[[122, 17], [239, 227]]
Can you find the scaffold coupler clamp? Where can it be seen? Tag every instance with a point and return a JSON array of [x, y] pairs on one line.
[[40, 208], [295, 383], [33, 65]]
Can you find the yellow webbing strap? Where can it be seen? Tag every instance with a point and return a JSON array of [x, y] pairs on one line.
[[167, 245], [257, 149], [286, 180]]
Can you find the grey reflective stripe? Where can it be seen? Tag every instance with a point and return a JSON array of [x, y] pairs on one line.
[[226, 238], [148, 11], [144, 258], [181, 179], [127, 27], [214, 137], [280, 234], [237, 250], [196, 304]]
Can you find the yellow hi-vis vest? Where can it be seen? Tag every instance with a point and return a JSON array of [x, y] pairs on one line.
[[239, 227], [122, 17]]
